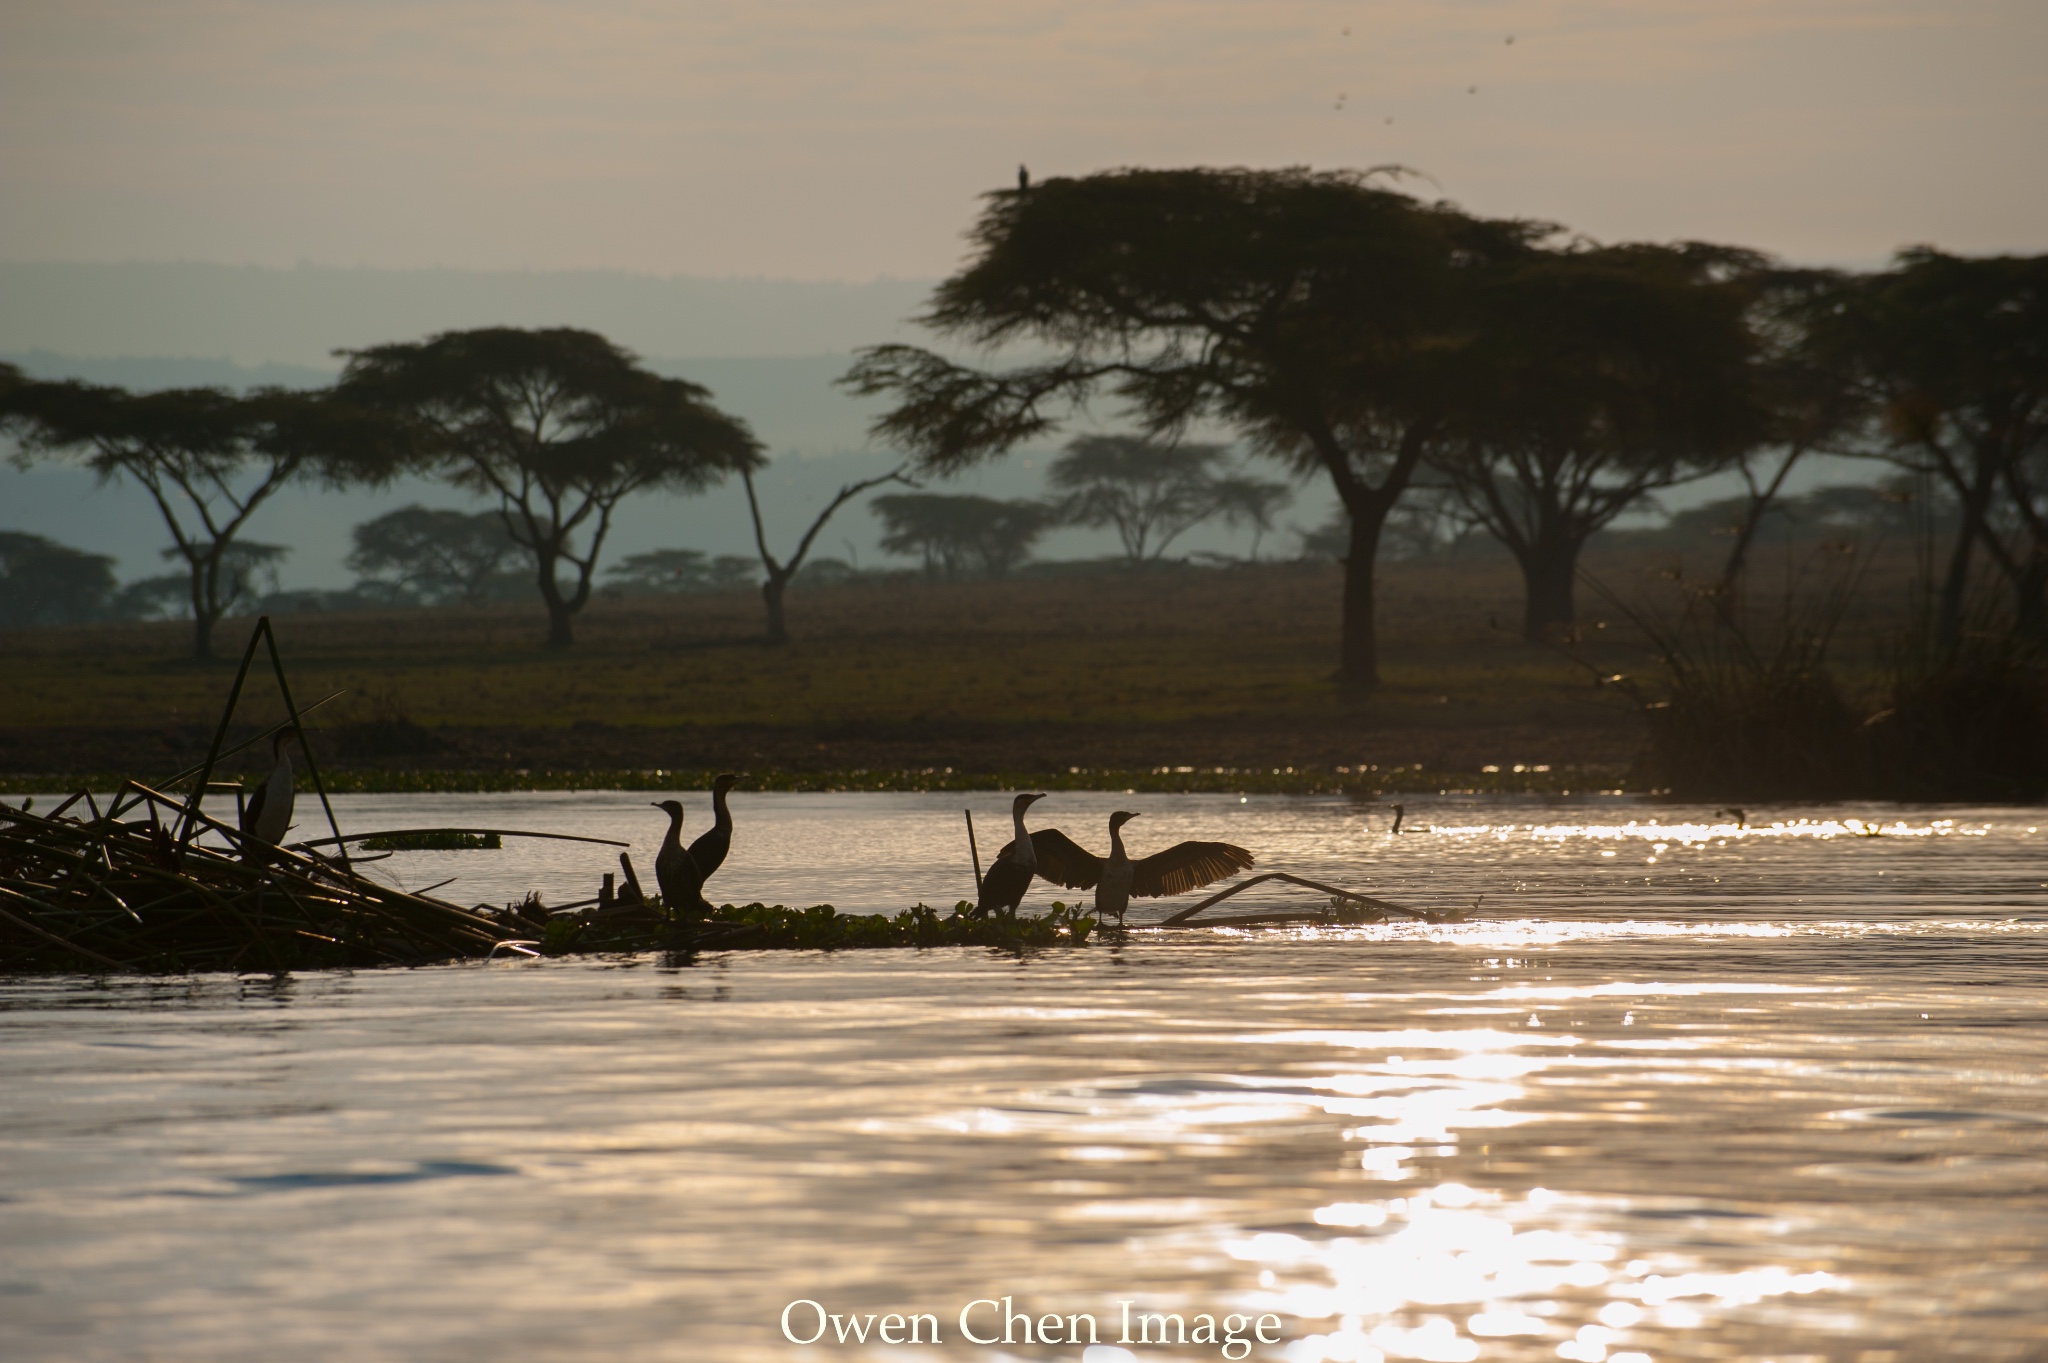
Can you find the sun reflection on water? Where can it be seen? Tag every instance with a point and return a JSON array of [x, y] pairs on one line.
[[1447, 1271]]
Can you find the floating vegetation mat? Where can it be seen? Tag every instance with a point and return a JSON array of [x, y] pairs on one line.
[[819, 928]]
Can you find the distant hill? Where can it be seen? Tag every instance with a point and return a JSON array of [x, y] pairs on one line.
[[790, 401], [263, 317]]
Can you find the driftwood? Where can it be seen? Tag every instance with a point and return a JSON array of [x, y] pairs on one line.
[[428, 832], [1346, 906]]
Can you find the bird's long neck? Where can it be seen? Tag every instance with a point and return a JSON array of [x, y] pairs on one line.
[[721, 817], [1026, 853], [675, 829], [1116, 843]]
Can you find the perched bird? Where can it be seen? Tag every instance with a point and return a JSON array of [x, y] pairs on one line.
[[1009, 876], [267, 813], [682, 884], [708, 852], [1023, 180], [1182, 867]]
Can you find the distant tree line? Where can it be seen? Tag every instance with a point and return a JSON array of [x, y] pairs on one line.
[[1449, 374], [1422, 358], [557, 427]]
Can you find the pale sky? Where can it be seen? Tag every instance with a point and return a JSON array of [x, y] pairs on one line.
[[848, 139]]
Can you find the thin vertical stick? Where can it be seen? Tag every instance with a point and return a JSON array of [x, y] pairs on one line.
[[188, 822], [312, 767], [973, 851]]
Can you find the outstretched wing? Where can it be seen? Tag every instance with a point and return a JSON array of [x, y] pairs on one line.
[[1061, 860], [1187, 866]]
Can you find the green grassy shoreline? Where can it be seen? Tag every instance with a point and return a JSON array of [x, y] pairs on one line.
[[1364, 783]]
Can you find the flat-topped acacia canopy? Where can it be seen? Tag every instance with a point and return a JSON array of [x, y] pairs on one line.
[[559, 425]]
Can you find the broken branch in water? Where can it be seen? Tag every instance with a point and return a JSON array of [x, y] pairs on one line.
[[1339, 898]]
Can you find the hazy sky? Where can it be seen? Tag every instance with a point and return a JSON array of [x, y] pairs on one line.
[[845, 139]]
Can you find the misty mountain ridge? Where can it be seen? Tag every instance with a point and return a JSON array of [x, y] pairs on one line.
[[791, 402], [260, 316]]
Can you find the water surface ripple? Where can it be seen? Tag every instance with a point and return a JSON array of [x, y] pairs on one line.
[[1682, 1091]]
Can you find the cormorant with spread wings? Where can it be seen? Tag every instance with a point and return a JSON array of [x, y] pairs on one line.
[[1182, 867]]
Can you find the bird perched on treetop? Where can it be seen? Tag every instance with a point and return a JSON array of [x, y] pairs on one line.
[[267, 813], [682, 883], [1023, 180], [1182, 867], [1009, 876]]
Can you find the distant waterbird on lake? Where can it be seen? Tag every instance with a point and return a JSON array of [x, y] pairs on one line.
[[267, 814], [681, 882], [1182, 867], [1399, 811], [1010, 874]]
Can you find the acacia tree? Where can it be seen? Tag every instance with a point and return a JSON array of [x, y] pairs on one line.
[[1318, 313], [438, 556], [208, 458], [1603, 374], [1809, 400], [1951, 354], [958, 534], [43, 582], [560, 426], [1151, 492], [780, 571], [1243, 500]]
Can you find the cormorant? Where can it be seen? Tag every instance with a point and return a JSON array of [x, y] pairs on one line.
[[267, 814], [1009, 876], [1182, 867], [682, 884], [1399, 814], [1023, 180], [708, 852]]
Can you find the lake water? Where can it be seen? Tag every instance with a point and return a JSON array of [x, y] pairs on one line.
[[1677, 1091]]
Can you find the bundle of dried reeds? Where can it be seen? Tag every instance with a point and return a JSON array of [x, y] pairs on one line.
[[92, 890]]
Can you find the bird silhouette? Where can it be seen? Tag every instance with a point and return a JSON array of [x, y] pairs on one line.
[[1023, 180], [1009, 875], [682, 884], [1115, 878], [707, 854], [267, 816]]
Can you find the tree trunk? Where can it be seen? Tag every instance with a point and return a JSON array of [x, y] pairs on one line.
[[1550, 570], [560, 612], [204, 582], [771, 597], [2030, 598], [1359, 655], [1948, 603]]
